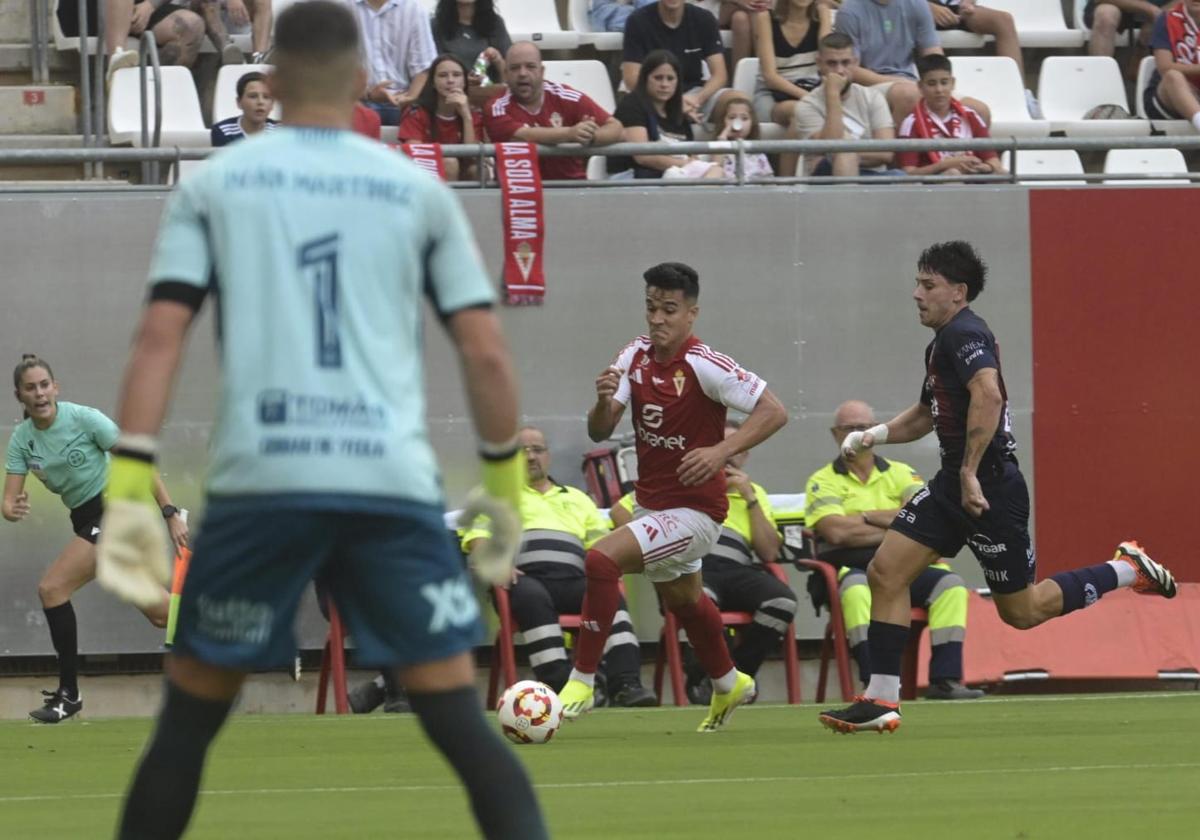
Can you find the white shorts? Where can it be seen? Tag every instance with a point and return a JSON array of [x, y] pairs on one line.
[[674, 541]]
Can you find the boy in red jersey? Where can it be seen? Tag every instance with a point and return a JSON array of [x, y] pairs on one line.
[[679, 389]]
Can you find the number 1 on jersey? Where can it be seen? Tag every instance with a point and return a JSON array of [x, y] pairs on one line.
[[319, 263]]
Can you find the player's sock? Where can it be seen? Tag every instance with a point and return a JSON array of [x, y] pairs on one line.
[[64, 635], [1126, 573], [501, 794], [1084, 587], [163, 794], [886, 644], [702, 623], [726, 682], [600, 604]]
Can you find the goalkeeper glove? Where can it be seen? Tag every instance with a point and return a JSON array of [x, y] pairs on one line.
[[500, 501], [131, 554]]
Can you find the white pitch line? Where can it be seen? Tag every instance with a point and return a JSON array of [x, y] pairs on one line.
[[628, 783]]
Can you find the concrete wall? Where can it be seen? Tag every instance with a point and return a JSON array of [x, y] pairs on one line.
[[808, 288]]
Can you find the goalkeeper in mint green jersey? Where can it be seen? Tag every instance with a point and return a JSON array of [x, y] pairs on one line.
[[321, 248]]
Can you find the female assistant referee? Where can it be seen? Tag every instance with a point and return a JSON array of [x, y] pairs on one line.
[[66, 446]]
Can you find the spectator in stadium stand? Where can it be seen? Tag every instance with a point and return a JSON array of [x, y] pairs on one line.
[[969, 16], [940, 116], [610, 15], [1174, 91], [365, 121], [1108, 17], [560, 523], [443, 114], [255, 100], [735, 117], [737, 16], [786, 43], [733, 573], [476, 34], [178, 32], [536, 111], [397, 48], [692, 34], [849, 505], [887, 33], [255, 16], [652, 113], [842, 109]]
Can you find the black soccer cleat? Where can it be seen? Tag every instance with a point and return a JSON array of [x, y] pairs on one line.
[[863, 714], [58, 707]]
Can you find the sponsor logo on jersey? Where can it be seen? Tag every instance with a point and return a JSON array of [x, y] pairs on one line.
[[556, 120], [277, 406], [680, 379], [652, 415], [668, 442], [658, 381]]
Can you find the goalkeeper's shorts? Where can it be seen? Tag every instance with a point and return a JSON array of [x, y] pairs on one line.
[[395, 574]]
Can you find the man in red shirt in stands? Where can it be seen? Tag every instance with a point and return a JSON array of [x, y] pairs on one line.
[[679, 389], [536, 111]]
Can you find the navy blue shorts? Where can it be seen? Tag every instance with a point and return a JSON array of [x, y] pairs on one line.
[[999, 539], [396, 576]]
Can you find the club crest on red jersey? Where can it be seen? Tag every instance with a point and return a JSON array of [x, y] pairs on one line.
[[680, 380]]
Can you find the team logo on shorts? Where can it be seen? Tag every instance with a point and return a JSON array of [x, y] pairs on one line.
[[75, 458]]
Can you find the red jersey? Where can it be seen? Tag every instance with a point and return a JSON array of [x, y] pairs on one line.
[[679, 406], [366, 121], [416, 127], [561, 106]]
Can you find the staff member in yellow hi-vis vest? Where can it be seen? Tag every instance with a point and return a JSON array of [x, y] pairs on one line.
[[733, 574], [849, 505]]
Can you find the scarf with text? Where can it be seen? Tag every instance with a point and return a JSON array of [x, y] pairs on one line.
[[927, 126], [524, 223], [428, 156], [1185, 39]]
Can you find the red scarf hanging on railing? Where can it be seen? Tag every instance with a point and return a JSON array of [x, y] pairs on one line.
[[524, 223], [428, 156], [927, 128], [1185, 39]]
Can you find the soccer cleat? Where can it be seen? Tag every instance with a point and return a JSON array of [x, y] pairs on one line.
[[577, 698], [366, 698], [1152, 578], [57, 708], [633, 695], [863, 714], [722, 705], [951, 690]]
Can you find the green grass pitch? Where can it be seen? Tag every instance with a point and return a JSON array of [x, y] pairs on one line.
[[1059, 768]]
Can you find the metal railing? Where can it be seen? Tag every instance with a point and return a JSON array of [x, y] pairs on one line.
[[93, 112], [39, 34], [148, 48]]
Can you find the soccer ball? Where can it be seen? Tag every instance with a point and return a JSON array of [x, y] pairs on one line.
[[529, 712]]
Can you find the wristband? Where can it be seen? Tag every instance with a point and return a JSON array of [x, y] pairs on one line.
[[753, 503], [489, 451], [504, 477], [138, 447], [879, 432]]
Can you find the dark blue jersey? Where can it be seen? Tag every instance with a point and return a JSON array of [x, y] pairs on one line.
[[958, 351]]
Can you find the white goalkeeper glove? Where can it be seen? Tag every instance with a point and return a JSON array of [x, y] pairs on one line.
[[856, 442], [131, 553], [492, 559]]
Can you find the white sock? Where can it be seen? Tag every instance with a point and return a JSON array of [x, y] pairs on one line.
[[884, 687], [1196, 120], [725, 684], [1126, 574], [588, 679]]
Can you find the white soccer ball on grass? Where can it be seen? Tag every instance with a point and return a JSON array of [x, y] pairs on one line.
[[529, 712]]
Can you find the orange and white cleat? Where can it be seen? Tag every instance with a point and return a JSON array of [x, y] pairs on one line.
[[1152, 578], [864, 714]]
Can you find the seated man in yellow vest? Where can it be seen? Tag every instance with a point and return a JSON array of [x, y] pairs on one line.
[[849, 506], [560, 524], [733, 573]]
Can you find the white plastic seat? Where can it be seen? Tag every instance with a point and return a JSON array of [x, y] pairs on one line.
[[587, 76], [1148, 161], [996, 81], [1070, 86], [745, 76], [1045, 162], [1039, 23], [602, 41], [1145, 74], [1122, 37], [960, 39], [182, 124], [224, 104], [597, 168], [537, 21]]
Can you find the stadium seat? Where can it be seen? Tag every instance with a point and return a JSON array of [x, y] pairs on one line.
[[588, 76], [597, 168], [537, 21], [961, 39], [1046, 162], [333, 666], [670, 659], [182, 124], [997, 82], [389, 134], [1077, 22], [1070, 86], [224, 104], [602, 41], [1148, 161], [1040, 23], [1145, 74]]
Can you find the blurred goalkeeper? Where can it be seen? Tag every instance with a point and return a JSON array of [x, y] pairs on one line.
[[319, 245]]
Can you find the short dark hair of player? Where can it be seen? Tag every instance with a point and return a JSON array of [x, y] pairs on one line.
[[316, 54], [245, 80], [837, 41], [932, 63], [674, 275], [958, 262]]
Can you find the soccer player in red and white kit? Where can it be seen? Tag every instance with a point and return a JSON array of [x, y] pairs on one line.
[[679, 389]]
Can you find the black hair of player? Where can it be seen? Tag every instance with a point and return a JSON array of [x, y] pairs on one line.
[[674, 275], [932, 63], [958, 262], [28, 362], [316, 28], [244, 82]]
